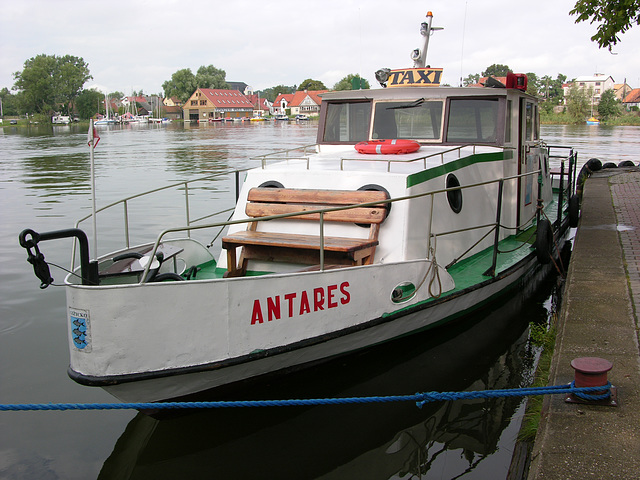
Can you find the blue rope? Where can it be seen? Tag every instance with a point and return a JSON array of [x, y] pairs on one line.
[[419, 398]]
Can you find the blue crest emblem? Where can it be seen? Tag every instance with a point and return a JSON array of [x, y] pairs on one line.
[[80, 332]]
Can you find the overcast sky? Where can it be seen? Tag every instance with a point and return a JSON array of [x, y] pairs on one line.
[[138, 44]]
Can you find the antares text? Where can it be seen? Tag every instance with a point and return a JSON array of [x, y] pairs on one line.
[[292, 304]]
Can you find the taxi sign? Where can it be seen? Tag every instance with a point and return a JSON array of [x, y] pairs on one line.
[[415, 77]]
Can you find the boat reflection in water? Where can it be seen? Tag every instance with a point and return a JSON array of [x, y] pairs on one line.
[[381, 440]]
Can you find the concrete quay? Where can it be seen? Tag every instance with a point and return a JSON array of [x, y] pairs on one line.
[[598, 318]]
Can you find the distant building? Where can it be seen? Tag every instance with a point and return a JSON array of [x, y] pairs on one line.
[[306, 102], [632, 99], [261, 106], [208, 103], [597, 84], [241, 87], [172, 102], [281, 103], [621, 90]]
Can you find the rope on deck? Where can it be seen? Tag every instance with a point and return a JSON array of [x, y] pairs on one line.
[[419, 398]]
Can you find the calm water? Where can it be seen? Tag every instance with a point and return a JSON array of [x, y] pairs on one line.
[[44, 185]]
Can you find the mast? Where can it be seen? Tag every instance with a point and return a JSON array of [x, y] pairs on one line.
[[420, 58]]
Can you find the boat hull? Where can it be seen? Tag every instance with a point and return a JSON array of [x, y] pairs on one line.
[[213, 363]]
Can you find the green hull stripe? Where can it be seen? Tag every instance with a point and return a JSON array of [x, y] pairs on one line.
[[426, 175]]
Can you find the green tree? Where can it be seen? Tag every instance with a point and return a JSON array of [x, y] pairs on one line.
[[211, 77], [533, 84], [72, 73], [272, 93], [181, 85], [89, 102], [579, 103], [614, 17], [347, 83], [471, 79], [9, 103], [609, 105], [48, 81], [310, 84], [496, 70]]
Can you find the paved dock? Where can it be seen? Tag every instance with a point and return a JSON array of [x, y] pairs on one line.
[[599, 318]]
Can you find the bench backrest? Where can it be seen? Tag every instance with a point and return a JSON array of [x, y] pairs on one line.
[[263, 202]]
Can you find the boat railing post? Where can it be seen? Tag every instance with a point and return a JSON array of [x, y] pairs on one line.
[[492, 271], [237, 175], [321, 241], [561, 192], [126, 223], [186, 201]]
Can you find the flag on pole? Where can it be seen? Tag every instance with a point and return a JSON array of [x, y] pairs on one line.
[[92, 135]]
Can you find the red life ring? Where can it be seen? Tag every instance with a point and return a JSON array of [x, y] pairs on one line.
[[387, 147]]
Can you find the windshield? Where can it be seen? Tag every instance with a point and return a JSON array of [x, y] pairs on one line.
[[347, 122], [473, 120], [419, 120]]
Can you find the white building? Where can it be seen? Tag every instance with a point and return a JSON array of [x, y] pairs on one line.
[[598, 83]]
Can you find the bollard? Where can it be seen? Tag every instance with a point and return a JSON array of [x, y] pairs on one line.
[[592, 372]]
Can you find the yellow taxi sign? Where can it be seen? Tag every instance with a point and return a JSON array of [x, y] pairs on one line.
[[415, 77]]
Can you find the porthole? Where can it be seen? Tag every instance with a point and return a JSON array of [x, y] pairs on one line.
[[454, 197], [403, 292], [375, 188], [271, 184]]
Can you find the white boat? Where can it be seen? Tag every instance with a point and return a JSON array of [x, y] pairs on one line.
[[418, 205], [61, 120]]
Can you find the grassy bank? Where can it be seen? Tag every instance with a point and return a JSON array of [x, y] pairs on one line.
[[629, 119]]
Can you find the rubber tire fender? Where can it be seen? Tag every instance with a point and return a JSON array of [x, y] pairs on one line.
[[574, 210], [544, 241]]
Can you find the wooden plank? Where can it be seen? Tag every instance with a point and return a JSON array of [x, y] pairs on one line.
[[352, 215], [326, 197], [283, 240]]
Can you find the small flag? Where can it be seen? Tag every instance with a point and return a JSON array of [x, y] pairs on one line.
[[92, 135]]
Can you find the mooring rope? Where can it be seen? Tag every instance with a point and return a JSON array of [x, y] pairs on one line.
[[420, 400]]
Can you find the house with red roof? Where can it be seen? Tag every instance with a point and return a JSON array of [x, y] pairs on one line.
[[306, 102], [211, 103], [632, 99], [281, 103], [261, 106]]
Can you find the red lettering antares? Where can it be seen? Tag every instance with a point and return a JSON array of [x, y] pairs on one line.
[[300, 303]]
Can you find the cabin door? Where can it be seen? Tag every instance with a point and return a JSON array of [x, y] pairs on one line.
[[531, 157]]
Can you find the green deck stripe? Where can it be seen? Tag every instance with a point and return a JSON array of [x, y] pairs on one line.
[[434, 172]]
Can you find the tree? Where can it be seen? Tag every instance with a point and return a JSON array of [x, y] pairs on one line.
[[471, 79], [72, 74], [48, 81], [579, 103], [614, 17], [609, 105], [9, 103], [310, 84], [348, 82], [496, 70], [272, 93], [533, 84], [211, 77], [89, 102], [181, 85]]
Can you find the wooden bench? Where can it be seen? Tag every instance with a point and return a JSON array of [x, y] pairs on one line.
[[305, 249]]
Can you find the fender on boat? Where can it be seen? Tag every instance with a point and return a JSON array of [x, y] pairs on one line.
[[544, 241], [387, 147]]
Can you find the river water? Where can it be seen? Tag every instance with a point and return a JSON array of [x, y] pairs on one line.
[[44, 185]]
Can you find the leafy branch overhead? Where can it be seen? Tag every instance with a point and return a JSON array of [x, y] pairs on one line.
[[613, 16]]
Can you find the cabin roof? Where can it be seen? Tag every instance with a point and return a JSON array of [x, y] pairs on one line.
[[408, 93]]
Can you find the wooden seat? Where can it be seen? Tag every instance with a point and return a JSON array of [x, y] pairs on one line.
[[304, 248]]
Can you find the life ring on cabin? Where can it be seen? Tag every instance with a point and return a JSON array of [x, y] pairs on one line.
[[544, 241], [387, 147]]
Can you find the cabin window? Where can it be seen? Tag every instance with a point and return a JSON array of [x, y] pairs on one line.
[[347, 122], [419, 120], [473, 120], [529, 121]]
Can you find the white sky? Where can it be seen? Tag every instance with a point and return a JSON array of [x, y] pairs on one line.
[[138, 44]]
